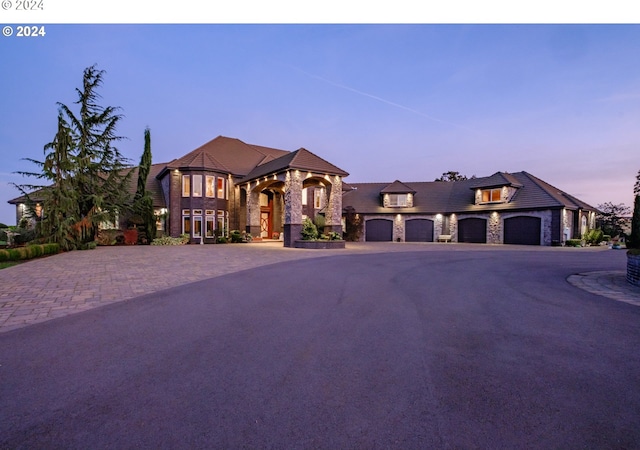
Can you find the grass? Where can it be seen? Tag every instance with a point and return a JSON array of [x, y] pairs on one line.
[[4, 265]]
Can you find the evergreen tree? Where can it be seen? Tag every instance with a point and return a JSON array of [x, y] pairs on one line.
[[99, 178], [87, 183], [143, 203], [634, 239]]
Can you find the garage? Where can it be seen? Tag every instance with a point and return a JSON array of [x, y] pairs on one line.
[[379, 230], [523, 230], [418, 230], [472, 230]]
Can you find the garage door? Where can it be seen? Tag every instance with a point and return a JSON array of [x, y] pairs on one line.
[[472, 230], [522, 230], [418, 230], [379, 230]]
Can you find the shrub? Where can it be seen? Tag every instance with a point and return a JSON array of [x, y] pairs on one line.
[[606, 237], [4, 255], [309, 230], [574, 243], [593, 237], [236, 236], [168, 240]]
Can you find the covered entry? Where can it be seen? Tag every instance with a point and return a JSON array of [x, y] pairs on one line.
[[419, 230], [472, 230], [523, 230], [379, 230]]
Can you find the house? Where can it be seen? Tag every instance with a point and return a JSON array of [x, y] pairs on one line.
[[504, 208], [227, 184]]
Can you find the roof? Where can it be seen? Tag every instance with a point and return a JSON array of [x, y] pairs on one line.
[[152, 186], [224, 154], [435, 197], [397, 187], [301, 159]]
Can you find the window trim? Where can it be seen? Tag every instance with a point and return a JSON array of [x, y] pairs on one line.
[[397, 203], [490, 192], [186, 185]]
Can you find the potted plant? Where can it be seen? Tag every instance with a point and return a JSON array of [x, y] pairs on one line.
[[633, 243]]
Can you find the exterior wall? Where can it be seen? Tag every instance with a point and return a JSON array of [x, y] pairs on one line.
[[172, 190], [495, 224]]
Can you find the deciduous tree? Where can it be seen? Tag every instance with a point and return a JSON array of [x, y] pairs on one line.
[[611, 218]]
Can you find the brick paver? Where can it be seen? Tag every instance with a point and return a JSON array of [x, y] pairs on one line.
[[68, 283], [611, 284]]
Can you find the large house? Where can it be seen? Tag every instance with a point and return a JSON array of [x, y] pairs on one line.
[[227, 184]]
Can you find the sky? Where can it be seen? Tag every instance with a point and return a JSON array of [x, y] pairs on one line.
[[380, 101]]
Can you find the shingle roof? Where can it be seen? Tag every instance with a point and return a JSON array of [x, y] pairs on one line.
[[152, 186], [224, 154], [458, 197], [301, 159], [397, 187]]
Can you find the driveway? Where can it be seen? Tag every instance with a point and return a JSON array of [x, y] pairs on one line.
[[415, 347]]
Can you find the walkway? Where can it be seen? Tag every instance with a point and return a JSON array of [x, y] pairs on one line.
[[68, 283]]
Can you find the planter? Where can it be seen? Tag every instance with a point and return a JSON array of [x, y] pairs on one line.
[[319, 244], [131, 236], [633, 269]]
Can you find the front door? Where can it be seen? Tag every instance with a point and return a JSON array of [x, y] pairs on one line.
[[265, 224]]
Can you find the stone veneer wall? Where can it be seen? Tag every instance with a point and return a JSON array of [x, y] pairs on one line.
[[633, 269]]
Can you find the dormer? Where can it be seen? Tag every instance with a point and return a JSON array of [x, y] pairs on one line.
[[498, 188], [397, 195]]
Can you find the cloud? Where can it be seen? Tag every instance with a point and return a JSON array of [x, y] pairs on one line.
[[622, 97], [380, 99]]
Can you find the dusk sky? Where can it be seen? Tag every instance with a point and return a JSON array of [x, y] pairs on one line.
[[383, 102]]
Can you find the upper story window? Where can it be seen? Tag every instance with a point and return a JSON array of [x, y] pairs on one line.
[[491, 195], [222, 188], [186, 185], [396, 200], [197, 185], [210, 183]]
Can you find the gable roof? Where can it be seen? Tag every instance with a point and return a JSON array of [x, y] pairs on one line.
[[397, 187], [435, 197], [224, 154], [301, 159], [496, 180]]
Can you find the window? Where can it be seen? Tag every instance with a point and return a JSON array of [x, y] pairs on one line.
[[186, 185], [396, 200], [197, 185], [210, 181], [221, 188], [210, 223], [304, 197], [197, 226], [491, 195], [318, 198], [186, 222], [222, 223]]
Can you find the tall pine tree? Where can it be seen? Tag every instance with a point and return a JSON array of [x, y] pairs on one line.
[[143, 203], [85, 172]]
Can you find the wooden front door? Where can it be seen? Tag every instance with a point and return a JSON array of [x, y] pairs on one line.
[[265, 224]]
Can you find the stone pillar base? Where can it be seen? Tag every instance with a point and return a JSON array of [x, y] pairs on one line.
[[254, 231], [292, 233]]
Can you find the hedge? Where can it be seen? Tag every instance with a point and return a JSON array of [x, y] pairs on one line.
[[28, 252]]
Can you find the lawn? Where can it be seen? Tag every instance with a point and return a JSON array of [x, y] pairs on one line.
[[4, 265]]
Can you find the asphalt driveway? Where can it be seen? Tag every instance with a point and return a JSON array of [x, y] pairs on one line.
[[459, 347]]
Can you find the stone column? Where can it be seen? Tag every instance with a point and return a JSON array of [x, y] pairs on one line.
[[333, 214], [253, 211], [292, 208]]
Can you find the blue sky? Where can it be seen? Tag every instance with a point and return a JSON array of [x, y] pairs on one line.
[[382, 102]]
